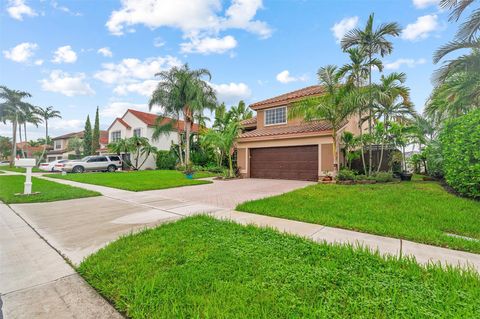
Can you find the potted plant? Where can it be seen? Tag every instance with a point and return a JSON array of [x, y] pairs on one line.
[[406, 176], [327, 177], [189, 171]]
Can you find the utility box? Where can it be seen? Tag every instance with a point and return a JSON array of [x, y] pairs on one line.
[[25, 162]]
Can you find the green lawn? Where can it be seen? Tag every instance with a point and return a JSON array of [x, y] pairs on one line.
[[49, 191], [135, 181], [19, 169], [419, 211], [204, 268]]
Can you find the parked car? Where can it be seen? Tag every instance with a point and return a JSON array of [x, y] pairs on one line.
[[55, 166], [104, 163]]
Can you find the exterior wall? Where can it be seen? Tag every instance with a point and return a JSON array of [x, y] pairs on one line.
[[324, 143], [261, 119]]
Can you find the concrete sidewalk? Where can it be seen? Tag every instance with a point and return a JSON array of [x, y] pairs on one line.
[[36, 282]]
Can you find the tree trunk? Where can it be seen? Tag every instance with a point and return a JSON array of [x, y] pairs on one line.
[[20, 138], [46, 143], [335, 155], [230, 165], [383, 143], [25, 135], [187, 141], [14, 142], [370, 112], [180, 152]]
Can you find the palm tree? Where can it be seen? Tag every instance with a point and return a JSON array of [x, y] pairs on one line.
[[335, 106], [30, 116], [241, 112], [47, 114], [184, 91], [10, 109], [468, 29], [357, 72], [392, 101], [371, 42]]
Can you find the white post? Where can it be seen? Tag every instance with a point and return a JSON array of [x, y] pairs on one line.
[[27, 189]]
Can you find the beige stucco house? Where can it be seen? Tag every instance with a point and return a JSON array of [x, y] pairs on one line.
[[273, 146], [137, 123], [60, 145]]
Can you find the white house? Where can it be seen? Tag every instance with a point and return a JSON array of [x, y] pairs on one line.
[[137, 123]]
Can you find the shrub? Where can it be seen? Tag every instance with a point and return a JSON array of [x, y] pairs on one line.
[[460, 144], [361, 177], [434, 157], [166, 160], [345, 174], [383, 177]]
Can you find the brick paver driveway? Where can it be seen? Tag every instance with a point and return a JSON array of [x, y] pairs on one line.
[[225, 194]]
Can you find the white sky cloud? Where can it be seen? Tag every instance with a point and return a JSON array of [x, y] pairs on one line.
[[421, 29], [231, 93], [18, 8], [21, 53], [105, 52], [65, 9], [420, 4], [116, 109], [38, 62], [339, 29], [200, 21], [64, 54], [285, 77], [209, 45], [66, 84], [71, 125], [144, 88], [397, 64]]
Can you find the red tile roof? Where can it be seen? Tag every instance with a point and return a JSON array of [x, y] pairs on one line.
[[150, 118], [305, 128], [251, 122], [103, 136], [287, 98]]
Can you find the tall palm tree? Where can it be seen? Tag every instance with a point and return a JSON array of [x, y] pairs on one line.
[[392, 101], [357, 72], [241, 112], [184, 91], [30, 117], [371, 41], [468, 29], [335, 106], [47, 114], [10, 109]]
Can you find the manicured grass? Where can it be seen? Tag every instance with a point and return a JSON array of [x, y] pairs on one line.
[[419, 211], [204, 268], [19, 169], [204, 174], [49, 191], [134, 181]]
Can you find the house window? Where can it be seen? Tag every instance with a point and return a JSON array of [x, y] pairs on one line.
[[115, 136], [277, 115], [137, 132], [58, 144]]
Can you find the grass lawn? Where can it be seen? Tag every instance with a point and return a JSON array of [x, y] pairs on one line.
[[419, 211], [135, 181], [50, 191], [19, 169], [200, 267]]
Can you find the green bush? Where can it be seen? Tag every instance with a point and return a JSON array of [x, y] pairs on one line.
[[433, 153], [345, 174], [460, 144], [383, 177], [166, 160]]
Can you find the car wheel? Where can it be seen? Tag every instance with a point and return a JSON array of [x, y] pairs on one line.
[[78, 169], [111, 168]]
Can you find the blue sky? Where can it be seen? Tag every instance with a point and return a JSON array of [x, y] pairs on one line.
[[76, 55]]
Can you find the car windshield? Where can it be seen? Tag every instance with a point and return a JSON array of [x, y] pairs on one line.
[[86, 158]]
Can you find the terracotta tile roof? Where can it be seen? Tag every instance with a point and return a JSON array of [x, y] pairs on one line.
[[150, 118], [309, 127], [103, 136], [288, 97], [249, 122]]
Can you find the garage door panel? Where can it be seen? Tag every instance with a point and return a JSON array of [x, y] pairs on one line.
[[295, 162]]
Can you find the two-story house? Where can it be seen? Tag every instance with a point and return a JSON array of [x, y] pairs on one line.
[[274, 146], [60, 145], [137, 123]]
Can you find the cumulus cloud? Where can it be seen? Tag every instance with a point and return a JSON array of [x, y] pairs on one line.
[[38, 62], [421, 28], [66, 84], [340, 28], [64, 54], [397, 64], [18, 8], [65, 9], [200, 21], [420, 4], [209, 45], [231, 93], [117, 109], [285, 77], [105, 52], [21, 53], [66, 125], [135, 75]]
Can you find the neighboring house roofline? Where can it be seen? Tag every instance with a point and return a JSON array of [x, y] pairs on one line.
[[150, 119], [121, 121], [287, 98]]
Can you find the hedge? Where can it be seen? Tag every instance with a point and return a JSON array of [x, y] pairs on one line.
[[166, 160], [460, 144]]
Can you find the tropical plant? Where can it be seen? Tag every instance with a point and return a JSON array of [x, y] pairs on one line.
[[335, 106], [371, 41], [30, 116], [184, 91], [241, 112], [224, 141], [75, 144], [87, 138], [5, 146], [96, 133], [349, 145], [46, 114], [138, 147], [10, 109]]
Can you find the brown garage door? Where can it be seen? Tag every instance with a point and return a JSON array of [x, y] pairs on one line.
[[293, 162]]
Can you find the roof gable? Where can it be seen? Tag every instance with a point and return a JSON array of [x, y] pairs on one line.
[[289, 97]]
